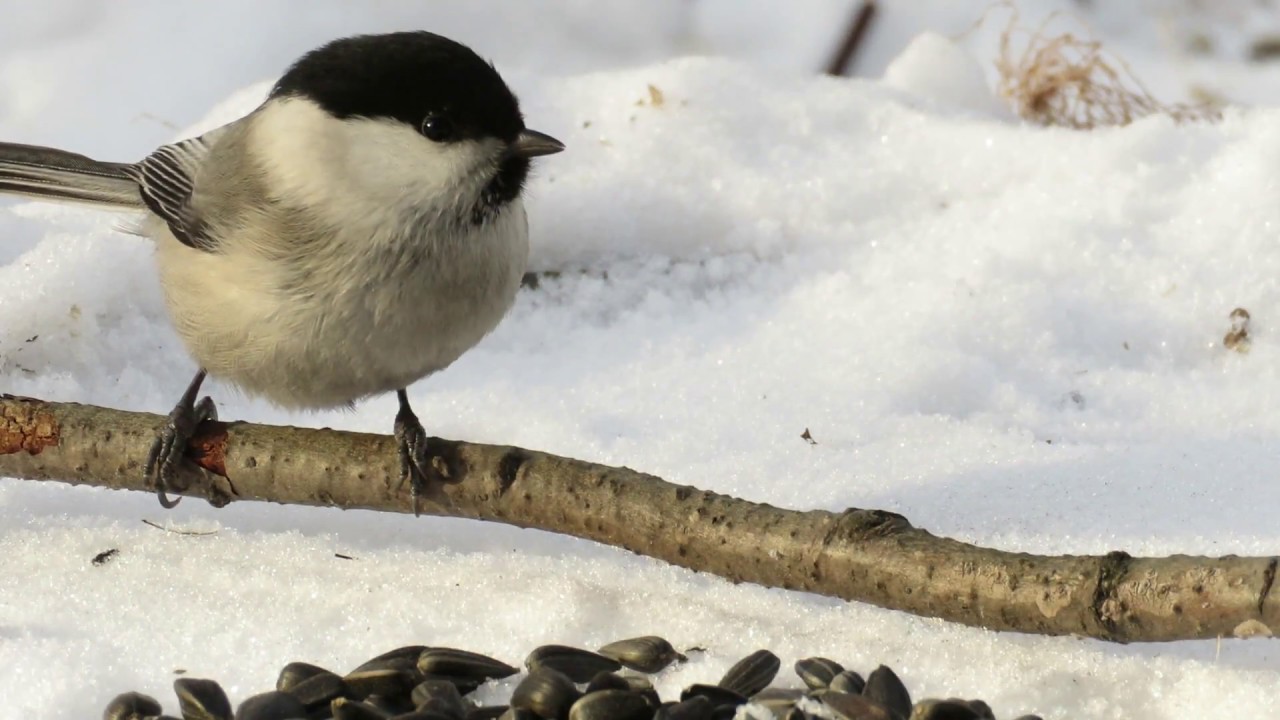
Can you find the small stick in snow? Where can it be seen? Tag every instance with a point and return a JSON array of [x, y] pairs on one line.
[[844, 55], [176, 531]]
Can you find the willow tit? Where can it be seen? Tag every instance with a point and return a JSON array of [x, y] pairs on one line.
[[360, 230]]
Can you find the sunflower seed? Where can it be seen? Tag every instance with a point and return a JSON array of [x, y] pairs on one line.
[[650, 695], [844, 706], [817, 672], [697, 707], [637, 683], [131, 706], [724, 712], [465, 685], [441, 697], [390, 706], [752, 673], [943, 710], [884, 686], [402, 658], [605, 680], [319, 690], [423, 715], [394, 685], [548, 693], [344, 709], [492, 712], [848, 681], [296, 672], [611, 705], [273, 705], [778, 700], [984, 710], [649, 654], [719, 696], [451, 662], [202, 699], [579, 665]]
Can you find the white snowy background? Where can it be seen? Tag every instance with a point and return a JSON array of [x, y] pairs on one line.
[[1011, 335]]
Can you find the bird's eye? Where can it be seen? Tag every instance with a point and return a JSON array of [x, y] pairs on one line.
[[437, 127]]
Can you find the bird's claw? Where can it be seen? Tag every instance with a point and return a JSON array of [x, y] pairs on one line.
[[164, 461], [416, 463]]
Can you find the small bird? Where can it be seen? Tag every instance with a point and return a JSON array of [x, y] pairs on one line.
[[360, 230]]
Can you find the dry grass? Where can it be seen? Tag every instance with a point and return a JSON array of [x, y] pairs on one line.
[[1066, 80]]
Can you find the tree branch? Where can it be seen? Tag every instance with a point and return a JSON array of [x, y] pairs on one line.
[[865, 555]]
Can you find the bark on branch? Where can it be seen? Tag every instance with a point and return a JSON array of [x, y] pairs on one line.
[[865, 555]]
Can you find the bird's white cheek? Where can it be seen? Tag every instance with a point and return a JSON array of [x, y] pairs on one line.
[[390, 161], [324, 162]]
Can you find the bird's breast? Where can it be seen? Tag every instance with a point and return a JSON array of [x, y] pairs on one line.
[[344, 316]]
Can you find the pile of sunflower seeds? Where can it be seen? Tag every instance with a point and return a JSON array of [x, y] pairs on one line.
[[563, 683]]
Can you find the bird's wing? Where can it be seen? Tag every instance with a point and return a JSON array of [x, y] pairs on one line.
[[166, 180]]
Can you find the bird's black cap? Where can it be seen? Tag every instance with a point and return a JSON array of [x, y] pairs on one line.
[[406, 76]]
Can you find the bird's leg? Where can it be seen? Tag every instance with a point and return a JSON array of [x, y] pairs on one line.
[[415, 462], [166, 456]]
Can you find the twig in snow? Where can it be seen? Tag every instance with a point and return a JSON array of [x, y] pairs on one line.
[[176, 531], [844, 55]]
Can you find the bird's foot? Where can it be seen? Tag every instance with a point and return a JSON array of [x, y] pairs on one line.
[[418, 465], [164, 462]]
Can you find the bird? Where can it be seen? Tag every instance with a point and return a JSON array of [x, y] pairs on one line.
[[358, 231]]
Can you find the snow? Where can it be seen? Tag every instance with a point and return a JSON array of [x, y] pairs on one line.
[[1012, 335]]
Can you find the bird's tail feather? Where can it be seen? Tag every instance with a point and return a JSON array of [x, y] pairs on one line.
[[61, 175]]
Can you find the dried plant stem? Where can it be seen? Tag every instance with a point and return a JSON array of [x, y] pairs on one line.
[[1062, 79], [866, 555]]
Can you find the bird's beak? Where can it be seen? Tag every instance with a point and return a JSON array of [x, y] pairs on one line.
[[531, 143]]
